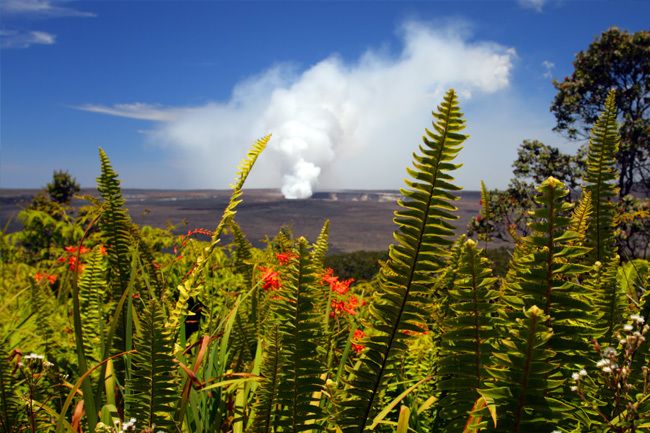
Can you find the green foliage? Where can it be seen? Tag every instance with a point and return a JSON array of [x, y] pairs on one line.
[[150, 389], [63, 187], [191, 335], [360, 265], [600, 180], [424, 233], [468, 333], [615, 60]]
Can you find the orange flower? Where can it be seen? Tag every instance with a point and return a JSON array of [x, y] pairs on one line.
[[285, 258], [270, 279], [358, 335], [102, 250], [40, 276]]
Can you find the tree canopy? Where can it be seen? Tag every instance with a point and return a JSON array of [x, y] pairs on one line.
[[620, 60]]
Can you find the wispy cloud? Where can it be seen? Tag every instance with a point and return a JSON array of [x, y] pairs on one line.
[[344, 124], [40, 8], [16, 39], [137, 110], [536, 5], [548, 68]]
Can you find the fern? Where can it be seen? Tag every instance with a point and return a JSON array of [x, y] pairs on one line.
[[151, 390], [406, 279], [600, 180], [191, 287], [10, 404], [243, 254], [548, 276], [525, 377], [266, 395], [300, 330], [467, 340], [580, 217], [321, 245], [608, 299], [92, 295], [115, 227]]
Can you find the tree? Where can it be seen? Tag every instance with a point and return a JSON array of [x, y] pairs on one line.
[[616, 59], [63, 187], [505, 213]]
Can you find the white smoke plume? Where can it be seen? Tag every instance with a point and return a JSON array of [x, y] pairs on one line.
[[335, 124]]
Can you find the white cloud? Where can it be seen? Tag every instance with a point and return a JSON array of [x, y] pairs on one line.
[[16, 39], [40, 8], [136, 110], [548, 68], [536, 5], [342, 124]]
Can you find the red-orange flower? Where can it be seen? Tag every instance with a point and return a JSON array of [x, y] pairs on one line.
[[270, 279], [285, 258], [358, 335], [51, 278]]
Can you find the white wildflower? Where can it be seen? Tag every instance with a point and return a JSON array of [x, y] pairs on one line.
[[574, 388], [607, 370], [627, 328], [575, 377], [638, 318], [34, 356], [582, 372], [602, 363]]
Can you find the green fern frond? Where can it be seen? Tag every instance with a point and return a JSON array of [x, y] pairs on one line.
[[151, 390], [321, 245], [10, 404], [609, 301], [92, 296], [485, 201], [115, 226], [466, 345], [525, 375], [548, 276], [600, 180], [243, 254], [190, 287], [245, 167], [266, 395], [580, 217], [406, 280], [300, 330]]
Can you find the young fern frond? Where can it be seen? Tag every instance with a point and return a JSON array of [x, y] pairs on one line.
[[548, 276], [525, 376], [151, 390], [243, 254], [466, 345], [10, 404], [580, 217], [321, 245], [609, 301], [406, 279], [115, 229], [600, 180], [300, 329], [266, 395], [92, 295], [485, 201], [115, 226], [191, 287]]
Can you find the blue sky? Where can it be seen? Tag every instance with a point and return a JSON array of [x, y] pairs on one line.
[[176, 91]]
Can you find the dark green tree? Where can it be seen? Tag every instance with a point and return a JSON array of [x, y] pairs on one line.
[[620, 60], [63, 187]]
